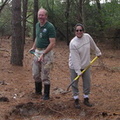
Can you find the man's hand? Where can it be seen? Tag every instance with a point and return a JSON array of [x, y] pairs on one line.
[[41, 58], [32, 50]]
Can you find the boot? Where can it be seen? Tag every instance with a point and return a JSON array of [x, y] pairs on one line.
[[46, 92], [77, 105], [87, 103], [38, 88]]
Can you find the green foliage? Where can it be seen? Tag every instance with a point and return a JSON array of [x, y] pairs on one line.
[[91, 19], [111, 15], [29, 23], [96, 21], [104, 23], [5, 21]]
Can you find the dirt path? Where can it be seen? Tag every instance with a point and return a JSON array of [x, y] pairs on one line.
[[17, 86]]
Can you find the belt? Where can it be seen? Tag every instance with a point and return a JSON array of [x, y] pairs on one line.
[[40, 48]]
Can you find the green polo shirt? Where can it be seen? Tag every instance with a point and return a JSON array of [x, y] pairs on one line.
[[43, 34]]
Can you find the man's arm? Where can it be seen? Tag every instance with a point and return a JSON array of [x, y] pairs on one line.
[[50, 46], [48, 49], [34, 45]]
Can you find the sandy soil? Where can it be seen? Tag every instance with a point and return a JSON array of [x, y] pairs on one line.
[[18, 101]]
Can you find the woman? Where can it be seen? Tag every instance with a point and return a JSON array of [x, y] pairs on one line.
[[79, 58]]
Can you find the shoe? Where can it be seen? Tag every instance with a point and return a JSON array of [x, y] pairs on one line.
[[77, 105], [87, 103], [38, 88], [46, 92]]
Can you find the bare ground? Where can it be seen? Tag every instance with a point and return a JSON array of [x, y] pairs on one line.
[[18, 101]]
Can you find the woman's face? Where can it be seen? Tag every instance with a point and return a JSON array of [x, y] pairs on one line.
[[79, 31]]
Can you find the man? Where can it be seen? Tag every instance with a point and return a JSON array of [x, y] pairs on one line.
[[79, 58], [43, 45]]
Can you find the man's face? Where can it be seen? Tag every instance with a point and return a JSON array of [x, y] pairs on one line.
[[42, 17]]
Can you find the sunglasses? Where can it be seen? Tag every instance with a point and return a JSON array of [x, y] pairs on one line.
[[79, 30]]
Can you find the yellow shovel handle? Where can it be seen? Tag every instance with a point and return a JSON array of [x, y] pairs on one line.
[[76, 78], [86, 67]]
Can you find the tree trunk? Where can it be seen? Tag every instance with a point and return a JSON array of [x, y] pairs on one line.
[[67, 21], [99, 19], [35, 18], [25, 3], [80, 13], [17, 44]]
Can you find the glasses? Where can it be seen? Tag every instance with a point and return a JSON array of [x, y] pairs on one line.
[[79, 30]]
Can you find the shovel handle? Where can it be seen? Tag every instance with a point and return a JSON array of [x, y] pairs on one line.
[[76, 78]]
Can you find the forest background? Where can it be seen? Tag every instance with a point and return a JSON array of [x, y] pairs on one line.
[[17, 33], [18, 19]]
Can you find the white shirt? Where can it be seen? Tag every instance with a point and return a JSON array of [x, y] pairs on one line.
[[80, 48]]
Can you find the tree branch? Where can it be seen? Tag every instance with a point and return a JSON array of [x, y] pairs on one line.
[[2, 6]]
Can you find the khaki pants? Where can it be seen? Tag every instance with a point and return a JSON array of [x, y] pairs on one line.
[[41, 70]]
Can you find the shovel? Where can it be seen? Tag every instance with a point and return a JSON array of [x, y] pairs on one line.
[[76, 78], [33, 52]]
